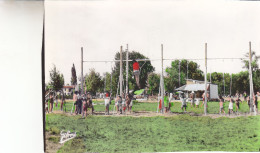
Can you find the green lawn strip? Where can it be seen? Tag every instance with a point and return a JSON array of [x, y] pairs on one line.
[[213, 107], [160, 134]]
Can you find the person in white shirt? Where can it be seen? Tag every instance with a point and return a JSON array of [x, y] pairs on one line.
[[230, 106]]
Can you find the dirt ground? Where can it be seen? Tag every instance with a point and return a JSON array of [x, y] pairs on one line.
[[51, 147], [152, 114]]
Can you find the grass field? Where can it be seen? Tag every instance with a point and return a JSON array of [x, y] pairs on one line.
[[213, 107], [157, 134]]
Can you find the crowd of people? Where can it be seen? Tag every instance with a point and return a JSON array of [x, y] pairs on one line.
[[125, 102], [237, 101]]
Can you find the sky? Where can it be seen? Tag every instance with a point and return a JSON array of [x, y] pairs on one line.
[[183, 27]]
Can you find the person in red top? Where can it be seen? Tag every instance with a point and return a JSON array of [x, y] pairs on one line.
[[136, 72]]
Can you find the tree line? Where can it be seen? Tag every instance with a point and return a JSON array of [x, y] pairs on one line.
[[175, 76]]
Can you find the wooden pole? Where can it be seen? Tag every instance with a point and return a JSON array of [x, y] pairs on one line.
[[205, 78], [82, 79], [162, 83], [121, 71], [251, 80], [127, 66]]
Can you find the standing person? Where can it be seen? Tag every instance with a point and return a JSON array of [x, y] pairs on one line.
[[107, 102], [248, 101], [119, 104], [80, 104], [237, 100], [230, 106], [203, 98], [166, 102], [75, 98], [192, 96], [255, 101], [183, 102], [136, 72], [197, 103], [131, 103], [62, 102], [90, 103], [221, 104], [51, 102], [84, 112], [128, 101]]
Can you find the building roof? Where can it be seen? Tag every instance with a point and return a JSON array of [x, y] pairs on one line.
[[192, 87], [70, 87]]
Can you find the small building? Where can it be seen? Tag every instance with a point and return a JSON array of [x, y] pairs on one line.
[[199, 88], [68, 90]]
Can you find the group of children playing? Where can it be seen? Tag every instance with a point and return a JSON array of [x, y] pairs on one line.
[[123, 104], [52, 97], [236, 99]]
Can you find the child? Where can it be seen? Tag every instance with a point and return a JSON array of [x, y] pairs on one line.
[[192, 96], [203, 98], [107, 99], [51, 102], [62, 102], [230, 107], [237, 102], [89, 103], [221, 105], [85, 109], [136, 72], [183, 102], [128, 101], [166, 102], [119, 104]]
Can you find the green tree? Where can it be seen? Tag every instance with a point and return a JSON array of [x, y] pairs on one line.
[[172, 78], [153, 83], [145, 70], [254, 63], [93, 82], [73, 75], [107, 81], [56, 79]]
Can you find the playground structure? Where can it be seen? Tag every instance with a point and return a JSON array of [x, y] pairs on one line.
[[161, 88]]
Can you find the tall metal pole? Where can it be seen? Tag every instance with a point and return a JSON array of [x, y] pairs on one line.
[[162, 82], [121, 71], [82, 79], [205, 78], [251, 80], [126, 86]]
